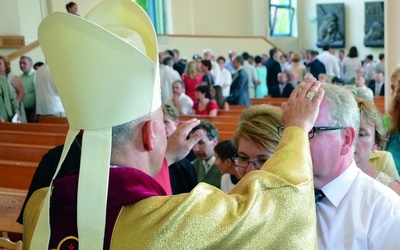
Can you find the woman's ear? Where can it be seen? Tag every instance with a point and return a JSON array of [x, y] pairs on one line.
[[229, 162]]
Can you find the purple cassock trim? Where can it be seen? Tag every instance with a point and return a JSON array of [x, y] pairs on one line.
[[126, 186]]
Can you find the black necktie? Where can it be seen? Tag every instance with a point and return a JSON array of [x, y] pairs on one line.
[[319, 195]]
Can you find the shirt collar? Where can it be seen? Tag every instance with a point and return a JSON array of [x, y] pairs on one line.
[[241, 67], [337, 189], [282, 86], [31, 72], [209, 163]]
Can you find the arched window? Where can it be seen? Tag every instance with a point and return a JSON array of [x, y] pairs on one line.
[[281, 14]]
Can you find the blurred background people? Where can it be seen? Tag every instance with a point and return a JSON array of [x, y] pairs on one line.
[[225, 77], [204, 105], [8, 104], [216, 95], [350, 65], [261, 89], [180, 100], [72, 8], [28, 80], [224, 152], [370, 137], [15, 85], [191, 78], [48, 101]]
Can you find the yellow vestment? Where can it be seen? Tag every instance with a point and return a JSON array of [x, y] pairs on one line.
[[272, 208]]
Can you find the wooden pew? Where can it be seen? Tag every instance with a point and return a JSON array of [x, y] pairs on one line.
[[18, 163], [379, 102], [276, 101], [22, 146], [52, 119], [237, 107], [236, 112], [226, 135], [11, 201], [23, 152], [35, 127], [38, 138], [16, 174]]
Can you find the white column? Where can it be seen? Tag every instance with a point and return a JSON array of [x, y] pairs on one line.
[[392, 44], [169, 29]]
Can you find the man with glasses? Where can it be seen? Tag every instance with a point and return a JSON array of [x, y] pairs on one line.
[[353, 210]]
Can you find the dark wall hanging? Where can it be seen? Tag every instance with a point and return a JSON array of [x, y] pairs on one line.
[[330, 20], [374, 25]]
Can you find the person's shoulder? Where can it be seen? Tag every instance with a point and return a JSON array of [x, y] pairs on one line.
[[380, 154], [196, 162], [289, 86], [276, 86], [186, 98], [377, 194], [212, 104]]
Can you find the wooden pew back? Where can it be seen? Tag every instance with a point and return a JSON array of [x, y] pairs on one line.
[[23, 152], [52, 119], [11, 201], [35, 127], [37, 138]]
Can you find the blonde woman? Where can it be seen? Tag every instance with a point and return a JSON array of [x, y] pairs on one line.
[[300, 69], [370, 137], [191, 78], [256, 137]]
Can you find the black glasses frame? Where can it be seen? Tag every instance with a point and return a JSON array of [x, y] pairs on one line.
[[255, 162], [312, 132]]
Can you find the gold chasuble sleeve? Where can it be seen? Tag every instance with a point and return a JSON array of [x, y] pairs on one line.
[[272, 208]]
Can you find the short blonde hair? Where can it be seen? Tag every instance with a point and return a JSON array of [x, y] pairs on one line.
[[259, 124], [296, 57], [371, 113]]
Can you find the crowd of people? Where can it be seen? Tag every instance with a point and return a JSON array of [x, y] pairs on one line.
[[31, 94], [244, 76], [232, 82], [321, 168]]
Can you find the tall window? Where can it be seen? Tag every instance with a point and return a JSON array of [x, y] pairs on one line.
[[281, 17], [155, 10]]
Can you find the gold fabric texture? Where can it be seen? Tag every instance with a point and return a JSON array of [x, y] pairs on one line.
[[265, 210]]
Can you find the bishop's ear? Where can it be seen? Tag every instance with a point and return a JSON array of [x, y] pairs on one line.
[[147, 135]]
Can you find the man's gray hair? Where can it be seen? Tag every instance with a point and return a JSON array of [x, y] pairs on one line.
[[343, 107], [122, 134], [26, 57]]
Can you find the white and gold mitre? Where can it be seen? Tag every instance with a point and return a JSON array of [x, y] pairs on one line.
[[105, 68]]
